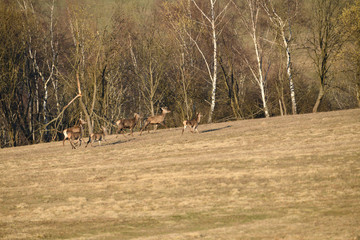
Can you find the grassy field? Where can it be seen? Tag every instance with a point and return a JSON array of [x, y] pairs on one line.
[[293, 177]]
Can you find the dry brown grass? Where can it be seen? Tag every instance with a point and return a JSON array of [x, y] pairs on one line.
[[295, 177]]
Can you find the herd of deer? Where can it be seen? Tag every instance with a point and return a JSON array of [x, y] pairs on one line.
[[75, 133]]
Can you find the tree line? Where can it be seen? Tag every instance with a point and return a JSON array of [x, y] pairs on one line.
[[228, 59]]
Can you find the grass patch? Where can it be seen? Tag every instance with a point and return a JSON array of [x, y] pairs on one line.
[[277, 178]]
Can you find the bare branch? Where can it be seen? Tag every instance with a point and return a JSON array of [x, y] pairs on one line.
[[62, 111], [201, 11], [202, 54]]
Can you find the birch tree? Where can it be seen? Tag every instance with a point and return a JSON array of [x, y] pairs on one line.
[[212, 18], [45, 69], [251, 23], [283, 26]]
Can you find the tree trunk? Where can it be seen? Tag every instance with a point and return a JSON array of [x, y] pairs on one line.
[[281, 23], [83, 106], [87, 116], [358, 94], [260, 78], [214, 77], [44, 112], [281, 108], [319, 99], [213, 22], [288, 70], [184, 85], [263, 97], [152, 110]]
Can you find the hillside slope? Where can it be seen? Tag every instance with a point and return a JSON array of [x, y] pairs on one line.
[[293, 177]]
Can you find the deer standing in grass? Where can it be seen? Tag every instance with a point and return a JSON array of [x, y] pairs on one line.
[[127, 123], [193, 124], [155, 120], [97, 137], [75, 132], [72, 136]]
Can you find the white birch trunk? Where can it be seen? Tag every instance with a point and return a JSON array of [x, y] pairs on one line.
[[281, 24], [45, 103], [260, 78], [288, 70], [214, 77], [213, 20], [54, 81], [52, 67], [184, 85]]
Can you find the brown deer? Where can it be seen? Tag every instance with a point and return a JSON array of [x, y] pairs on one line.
[[155, 120], [75, 129], [72, 136], [193, 124], [127, 123], [97, 137]]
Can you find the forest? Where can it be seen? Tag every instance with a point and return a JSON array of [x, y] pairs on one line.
[[62, 60]]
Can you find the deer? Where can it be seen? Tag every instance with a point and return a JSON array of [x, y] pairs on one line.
[[75, 129], [155, 120], [97, 137], [74, 136], [193, 124], [127, 123]]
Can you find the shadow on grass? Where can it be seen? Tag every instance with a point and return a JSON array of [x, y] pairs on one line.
[[107, 143], [214, 129], [122, 141]]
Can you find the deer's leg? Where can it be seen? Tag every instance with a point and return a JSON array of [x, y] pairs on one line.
[[72, 145], [88, 141], [145, 125], [155, 127], [195, 129], [123, 132], [65, 140], [183, 130], [163, 124]]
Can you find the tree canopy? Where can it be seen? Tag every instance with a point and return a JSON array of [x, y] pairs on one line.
[[62, 60]]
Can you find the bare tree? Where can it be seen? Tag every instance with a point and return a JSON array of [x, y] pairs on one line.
[[212, 18], [150, 71], [87, 60], [46, 69], [235, 86], [177, 16], [151, 79], [325, 42], [258, 72], [351, 26], [283, 25], [15, 101]]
